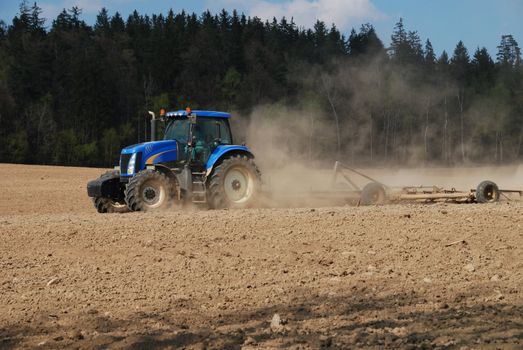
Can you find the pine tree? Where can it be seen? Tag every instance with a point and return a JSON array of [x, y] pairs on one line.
[[36, 22], [320, 37], [117, 24], [102, 25], [366, 42], [399, 43], [28, 73], [430, 55], [415, 52], [509, 52], [3, 30], [459, 63], [483, 71]]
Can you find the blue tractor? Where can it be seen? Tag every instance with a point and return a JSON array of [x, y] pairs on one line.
[[197, 161]]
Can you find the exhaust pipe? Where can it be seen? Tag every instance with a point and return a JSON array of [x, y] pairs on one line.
[[153, 125]]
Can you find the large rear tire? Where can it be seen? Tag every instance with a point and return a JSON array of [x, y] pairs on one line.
[[234, 183], [149, 190], [373, 194], [487, 192], [106, 205]]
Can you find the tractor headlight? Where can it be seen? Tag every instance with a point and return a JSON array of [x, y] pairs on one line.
[[130, 167]]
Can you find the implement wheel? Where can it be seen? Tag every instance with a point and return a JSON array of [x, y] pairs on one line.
[[149, 190], [372, 194], [234, 183], [487, 192]]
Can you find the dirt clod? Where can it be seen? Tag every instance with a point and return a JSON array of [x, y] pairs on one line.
[[470, 268], [249, 341], [52, 281], [276, 324]]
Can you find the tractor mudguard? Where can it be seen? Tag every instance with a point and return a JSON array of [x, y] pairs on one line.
[[107, 186], [222, 151]]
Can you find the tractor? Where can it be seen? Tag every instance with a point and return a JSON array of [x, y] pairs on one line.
[[197, 161]]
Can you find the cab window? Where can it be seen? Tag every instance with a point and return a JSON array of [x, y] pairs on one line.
[[207, 130]]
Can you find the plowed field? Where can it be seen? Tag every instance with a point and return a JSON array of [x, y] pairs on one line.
[[396, 276]]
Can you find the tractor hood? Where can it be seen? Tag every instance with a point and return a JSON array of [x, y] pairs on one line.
[[148, 153], [150, 147]]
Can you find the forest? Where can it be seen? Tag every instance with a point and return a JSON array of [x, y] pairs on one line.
[[74, 94]]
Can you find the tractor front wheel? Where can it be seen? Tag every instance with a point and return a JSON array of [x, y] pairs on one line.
[[108, 205], [235, 183], [149, 190]]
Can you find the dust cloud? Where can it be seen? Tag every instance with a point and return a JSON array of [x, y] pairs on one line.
[[296, 144], [286, 149], [293, 170]]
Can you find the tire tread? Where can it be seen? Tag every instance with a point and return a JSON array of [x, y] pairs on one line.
[[216, 193], [132, 196]]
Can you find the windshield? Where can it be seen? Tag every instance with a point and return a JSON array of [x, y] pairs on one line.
[[177, 129], [205, 130]]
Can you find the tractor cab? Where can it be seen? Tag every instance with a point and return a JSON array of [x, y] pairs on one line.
[[198, 133]]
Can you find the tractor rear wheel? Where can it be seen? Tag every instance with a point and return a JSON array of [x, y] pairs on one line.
[[149, 190], [109, 205], [234, 183], [373, 193], [487, 192]]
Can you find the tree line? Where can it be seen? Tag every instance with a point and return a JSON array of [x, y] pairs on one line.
[[74, 94]]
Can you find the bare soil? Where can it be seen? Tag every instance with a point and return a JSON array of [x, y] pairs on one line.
[[399, 276]]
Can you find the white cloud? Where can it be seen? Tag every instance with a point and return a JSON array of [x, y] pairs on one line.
[[49, 11], [88, 7], [343, 13]]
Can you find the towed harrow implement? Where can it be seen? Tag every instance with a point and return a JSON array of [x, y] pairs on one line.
[[344, 188]]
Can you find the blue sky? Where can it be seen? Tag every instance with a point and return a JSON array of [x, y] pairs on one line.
[[476, 22]]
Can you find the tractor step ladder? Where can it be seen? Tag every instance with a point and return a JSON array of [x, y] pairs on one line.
[[199, 190]]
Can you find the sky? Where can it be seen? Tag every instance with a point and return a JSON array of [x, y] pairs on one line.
[[477, 22]]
